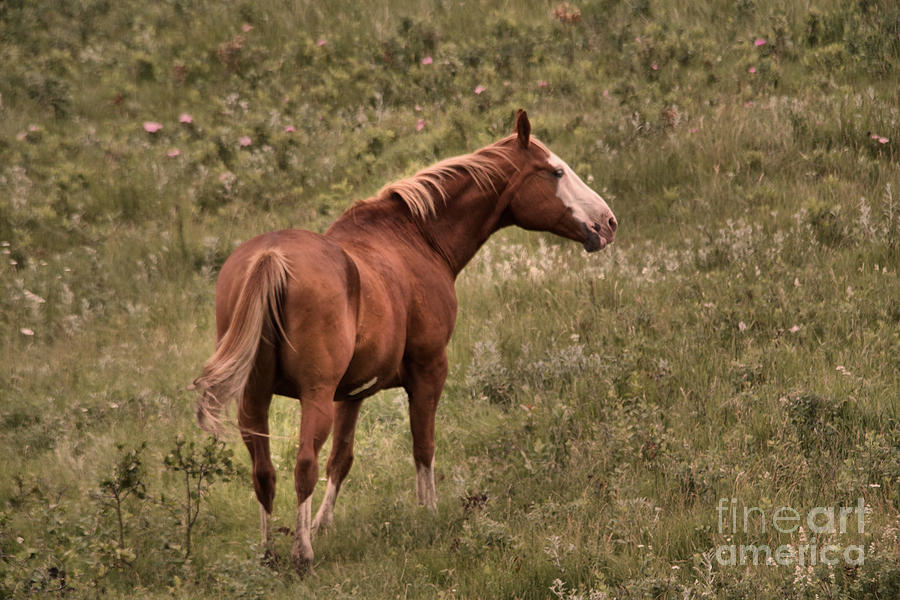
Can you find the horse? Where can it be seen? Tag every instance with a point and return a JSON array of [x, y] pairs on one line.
[[331, 319]]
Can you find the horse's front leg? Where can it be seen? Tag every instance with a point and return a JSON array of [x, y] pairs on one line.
[[315, 425], [424, 383]]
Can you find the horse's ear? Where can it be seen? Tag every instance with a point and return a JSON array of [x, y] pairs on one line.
[[523, 128]]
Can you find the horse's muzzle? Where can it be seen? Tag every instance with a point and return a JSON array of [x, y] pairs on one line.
[[595, 238]]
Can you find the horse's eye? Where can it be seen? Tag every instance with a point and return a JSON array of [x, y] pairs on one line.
[[558, 173]]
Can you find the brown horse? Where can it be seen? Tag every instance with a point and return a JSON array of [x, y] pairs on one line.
[[332, 319]]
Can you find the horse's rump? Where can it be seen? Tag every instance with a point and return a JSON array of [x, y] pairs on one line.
[[292, 293], [255, 319]]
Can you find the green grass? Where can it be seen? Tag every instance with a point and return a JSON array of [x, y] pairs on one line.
[[739, 340]]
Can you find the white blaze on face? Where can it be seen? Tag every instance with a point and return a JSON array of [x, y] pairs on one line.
[[586, 204]]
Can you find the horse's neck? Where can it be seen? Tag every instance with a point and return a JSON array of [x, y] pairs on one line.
[[456, 231], [464, 222]]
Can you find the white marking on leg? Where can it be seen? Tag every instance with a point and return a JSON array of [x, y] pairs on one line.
[[302, 552], [264, 525], [325, 515], [425, 485], [364, 386]]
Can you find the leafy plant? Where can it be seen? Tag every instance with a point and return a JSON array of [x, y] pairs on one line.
[[127, 480], [200, 466]]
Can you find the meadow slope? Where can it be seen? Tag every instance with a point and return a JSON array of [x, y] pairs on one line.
[[740, 340]]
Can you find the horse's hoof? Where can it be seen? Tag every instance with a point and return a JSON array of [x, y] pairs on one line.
[[319, 527], [302, 564], [269, 559]]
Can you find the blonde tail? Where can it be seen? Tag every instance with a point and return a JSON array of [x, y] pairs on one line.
[[258, 312]]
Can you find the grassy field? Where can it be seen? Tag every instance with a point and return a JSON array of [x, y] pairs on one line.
[[738, 347]]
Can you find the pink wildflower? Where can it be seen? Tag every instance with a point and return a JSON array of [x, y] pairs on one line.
[[152, 126], [244, 141], [289, 129], [173, 153], [654, 66], [246, 27], [186, 119], [420, 125], [759, 42], [542, 83], [751, 70], [427, 60], [321, 42], [479, 89]]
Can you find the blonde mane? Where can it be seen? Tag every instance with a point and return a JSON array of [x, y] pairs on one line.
[[422, 191]]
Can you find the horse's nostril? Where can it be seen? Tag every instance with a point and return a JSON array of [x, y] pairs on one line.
[[613, 223]]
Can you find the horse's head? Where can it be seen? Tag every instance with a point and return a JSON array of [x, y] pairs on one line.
[[547, 195]]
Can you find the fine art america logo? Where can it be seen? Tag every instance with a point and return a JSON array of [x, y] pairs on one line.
[[823, 523]]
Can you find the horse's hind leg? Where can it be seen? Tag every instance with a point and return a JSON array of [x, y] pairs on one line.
[[317, 406], [345, 413], [253, 419]]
